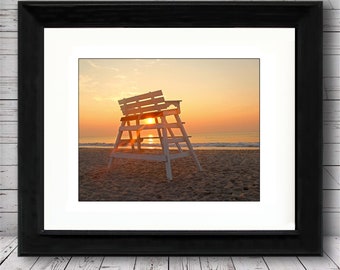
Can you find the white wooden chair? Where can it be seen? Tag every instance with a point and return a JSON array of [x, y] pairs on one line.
[[152, 106]]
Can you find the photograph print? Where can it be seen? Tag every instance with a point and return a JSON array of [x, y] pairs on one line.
[[169, 129]]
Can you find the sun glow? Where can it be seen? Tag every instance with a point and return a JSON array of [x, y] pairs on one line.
[[150, 121]]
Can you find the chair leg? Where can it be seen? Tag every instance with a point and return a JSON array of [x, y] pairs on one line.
[[173, 135], [185, 135], [166, 152], [117, 142], [138, 136], [131, 138], [159, 133]]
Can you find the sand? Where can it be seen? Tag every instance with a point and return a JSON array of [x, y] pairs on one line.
[[228, 175]]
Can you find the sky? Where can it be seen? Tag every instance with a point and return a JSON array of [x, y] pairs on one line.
[[218, 95]]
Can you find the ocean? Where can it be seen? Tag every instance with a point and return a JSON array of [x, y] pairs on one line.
[[201, 141]]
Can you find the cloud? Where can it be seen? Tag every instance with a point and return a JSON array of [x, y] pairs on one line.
[[96, 66]]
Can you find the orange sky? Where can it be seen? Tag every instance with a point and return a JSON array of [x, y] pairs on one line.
[[218, 95]]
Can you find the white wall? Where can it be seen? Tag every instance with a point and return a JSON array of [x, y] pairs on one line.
[[8, 117]]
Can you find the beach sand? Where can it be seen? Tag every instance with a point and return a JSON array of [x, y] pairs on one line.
[[228, 175]]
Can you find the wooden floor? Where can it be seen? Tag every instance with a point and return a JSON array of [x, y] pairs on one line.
[[10, 261]]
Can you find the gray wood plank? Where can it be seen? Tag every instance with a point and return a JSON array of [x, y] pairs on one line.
[[51, 263], [13, 262], [9, 42], [118, 263], [7, 249], [151, 263], [331, 44], [84, 263], [284, 263], [331, 224], [184, 263], [9, 4], [331, 87], [331, 66], [8, 224], [331, 132], [9, 110], [331, 177], [8, 132], [8, 201], [5, 241], [331, 154], [8, 63], [249, 263], [331, 201], [335, 4], [8, 20], [331, 246], [331, 20], [8, 87], [8, 177], [220, 263], [8, 154], [318, 263]]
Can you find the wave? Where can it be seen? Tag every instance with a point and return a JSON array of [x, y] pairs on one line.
[[195, 145]]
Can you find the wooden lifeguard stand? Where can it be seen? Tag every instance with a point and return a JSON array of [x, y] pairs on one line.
[[152, 105]]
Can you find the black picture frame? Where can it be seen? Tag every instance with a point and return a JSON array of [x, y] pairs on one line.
[[305, 17]]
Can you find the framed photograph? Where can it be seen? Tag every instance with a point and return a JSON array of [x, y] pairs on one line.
[[170, 128]]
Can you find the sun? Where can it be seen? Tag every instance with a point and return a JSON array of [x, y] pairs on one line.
[[150, 121]]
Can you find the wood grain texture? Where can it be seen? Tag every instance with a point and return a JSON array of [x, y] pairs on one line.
[[9, 154], [8, 87], [119, 263], [284, 263], [331, 66], [324, 263], [331, 43], [8, 201], [331, 88], [6, 247], [10, 261], [84, 263], [331, 154], [8, 20], [5, 241], [221, 263], [331, 224], [13, 262], [9, 43], [184, 263], [8, 177], [331, 247], [8, 224], [331, 20], [331, 132], [152, 263], [8, 132], [51, 263], [335, 4], [331, 201], [8, 65], [331, 111], [331, 177], [8, 110], [247, 263]]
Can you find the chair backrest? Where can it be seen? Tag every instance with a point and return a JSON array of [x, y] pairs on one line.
[[145, 103]]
